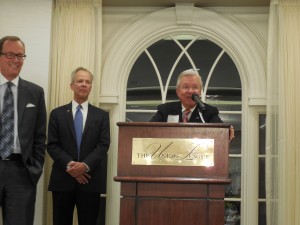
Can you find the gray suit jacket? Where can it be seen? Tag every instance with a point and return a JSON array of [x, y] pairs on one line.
[[32, 127], [62, 147]]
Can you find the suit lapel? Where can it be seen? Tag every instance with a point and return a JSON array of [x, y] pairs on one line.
[[195, 117], [89, 119], [23, 99], [178, 110], [69, 117]]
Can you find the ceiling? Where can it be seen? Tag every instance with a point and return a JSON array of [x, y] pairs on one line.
[[197, 3]]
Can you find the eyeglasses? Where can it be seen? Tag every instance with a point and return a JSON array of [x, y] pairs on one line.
[[10, 55], [185, 88]]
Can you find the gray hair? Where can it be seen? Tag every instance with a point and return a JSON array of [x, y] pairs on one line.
[[186, 73], [73, 74]]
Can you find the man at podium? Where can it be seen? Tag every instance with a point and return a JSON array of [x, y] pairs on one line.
[[189, 108], [165, 167]]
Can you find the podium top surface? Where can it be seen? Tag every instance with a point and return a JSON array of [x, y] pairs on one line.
[[165, 124]]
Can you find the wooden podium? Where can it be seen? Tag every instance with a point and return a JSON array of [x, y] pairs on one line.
[[172, 194]]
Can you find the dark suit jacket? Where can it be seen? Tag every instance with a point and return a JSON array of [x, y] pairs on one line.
[[210, 114], [62, 147], [32, 127]]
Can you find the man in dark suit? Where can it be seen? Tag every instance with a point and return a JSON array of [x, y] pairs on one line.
[[22, 136], [76, 173], [189, 83]]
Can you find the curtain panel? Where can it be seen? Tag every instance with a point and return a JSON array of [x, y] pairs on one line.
[[283, 122]]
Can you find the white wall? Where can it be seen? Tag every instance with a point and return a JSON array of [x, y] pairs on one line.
[[31, 21]]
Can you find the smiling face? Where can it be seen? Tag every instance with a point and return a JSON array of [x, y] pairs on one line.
[[81, 85], [10, 68]]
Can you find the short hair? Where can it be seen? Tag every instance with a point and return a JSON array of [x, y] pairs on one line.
[[9, 38], [189, 72], [73, 74]]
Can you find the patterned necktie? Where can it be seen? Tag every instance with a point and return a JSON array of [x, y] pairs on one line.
[[78, 123], [7, 123], [185, 117]]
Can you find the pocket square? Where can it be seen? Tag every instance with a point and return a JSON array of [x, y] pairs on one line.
[[30, 105]]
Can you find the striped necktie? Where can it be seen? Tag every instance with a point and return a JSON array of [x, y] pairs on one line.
[[7, 123], [185, 117]]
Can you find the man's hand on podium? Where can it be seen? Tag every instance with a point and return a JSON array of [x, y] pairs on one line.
[[231, 133]]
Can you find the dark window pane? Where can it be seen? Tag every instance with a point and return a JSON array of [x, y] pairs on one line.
[[234, 188], [235, 120], [232, 213], [164, 54], [262, 178], [235, 144], [262, 134], [142, 74], [204, 53], [225, 74], [262, 218], [138, 117], [142, 104]]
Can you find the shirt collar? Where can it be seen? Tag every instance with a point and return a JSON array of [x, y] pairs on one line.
[[84, 105], [3, 80], [183, 108]]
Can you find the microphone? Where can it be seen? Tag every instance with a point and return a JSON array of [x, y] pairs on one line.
[[197, 99]]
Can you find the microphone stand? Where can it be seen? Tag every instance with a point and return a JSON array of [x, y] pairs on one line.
[[200, 114]]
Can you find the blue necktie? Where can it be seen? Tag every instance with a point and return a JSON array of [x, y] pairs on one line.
[[78, 123], [7, 123]]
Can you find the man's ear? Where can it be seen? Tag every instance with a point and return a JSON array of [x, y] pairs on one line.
[[177, 92]]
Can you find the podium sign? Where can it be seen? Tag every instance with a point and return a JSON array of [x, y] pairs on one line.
[[173, 151]]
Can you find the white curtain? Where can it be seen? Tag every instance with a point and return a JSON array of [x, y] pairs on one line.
[[283, 121], [72, 45]]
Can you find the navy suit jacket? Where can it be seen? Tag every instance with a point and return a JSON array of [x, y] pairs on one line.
[[63, 149], [210, 114], [32, 127]]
